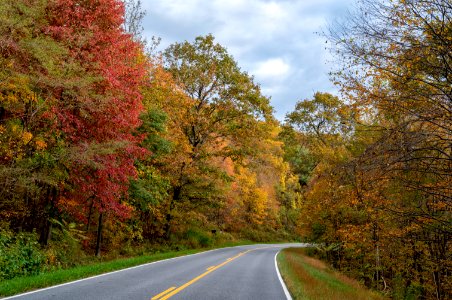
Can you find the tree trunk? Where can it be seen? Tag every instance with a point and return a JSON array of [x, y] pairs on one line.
[[99, 234], [89, 215], [46, 228], [45, 235], [169, 216], [167, 227]]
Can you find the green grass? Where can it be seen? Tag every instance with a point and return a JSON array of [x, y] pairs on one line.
[[310, 279], [23, 284]]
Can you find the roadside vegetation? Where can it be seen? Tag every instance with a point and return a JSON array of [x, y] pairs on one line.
[[308, 278]]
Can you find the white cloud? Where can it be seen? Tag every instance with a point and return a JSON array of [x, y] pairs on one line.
[[272, 68]]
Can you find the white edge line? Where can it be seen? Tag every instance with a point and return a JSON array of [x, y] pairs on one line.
[[109, 273], [286, 291]]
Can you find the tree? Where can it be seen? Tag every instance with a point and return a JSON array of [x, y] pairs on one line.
[[397, 75], [316, 132], [70, 104], [224, 105], [34, 153], [100, 120], [323, 116]]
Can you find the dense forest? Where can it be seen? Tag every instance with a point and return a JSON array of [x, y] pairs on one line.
[[110, 148]]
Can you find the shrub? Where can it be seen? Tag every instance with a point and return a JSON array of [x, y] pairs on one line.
[[19, 254], [221, 237], [197, 238]]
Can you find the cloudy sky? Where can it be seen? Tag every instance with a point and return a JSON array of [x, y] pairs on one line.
[[275, 41]]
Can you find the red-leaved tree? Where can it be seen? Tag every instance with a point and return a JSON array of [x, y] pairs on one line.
[[98, 118]]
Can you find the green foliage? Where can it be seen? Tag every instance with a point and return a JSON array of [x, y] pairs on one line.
[[322, 117], [150, 188], [318, 230], [211, 76], [222, 238], [65, 248], [402, 291], [153, 124], [196, 238], [266, 236], [19, 254]]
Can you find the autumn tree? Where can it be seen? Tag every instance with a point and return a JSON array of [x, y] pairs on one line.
[[323, 117], [225, 105], [254, 208], [397, 76], [70, 105], [103, 116], [317, 130], [316, 137], [34, 152]]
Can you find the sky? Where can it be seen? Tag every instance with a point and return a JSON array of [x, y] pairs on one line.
[[275, 41]]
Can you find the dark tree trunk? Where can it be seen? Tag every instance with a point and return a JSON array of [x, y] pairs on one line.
[[46, 228], [89, 215], [169, 216], [45, 235], [99, 234], [167, 227]]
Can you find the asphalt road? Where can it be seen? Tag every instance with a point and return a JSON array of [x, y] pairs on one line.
[[244, 272]]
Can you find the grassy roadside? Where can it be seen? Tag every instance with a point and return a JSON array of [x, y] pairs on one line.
[[23, 284], [308, 278]]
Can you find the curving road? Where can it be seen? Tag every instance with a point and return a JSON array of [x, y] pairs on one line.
[[244, 272]]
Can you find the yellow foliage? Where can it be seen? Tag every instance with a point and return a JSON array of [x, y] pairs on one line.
[[26, 137]]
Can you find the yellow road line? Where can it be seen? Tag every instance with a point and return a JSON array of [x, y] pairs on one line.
[[174, 292], [163, 293]]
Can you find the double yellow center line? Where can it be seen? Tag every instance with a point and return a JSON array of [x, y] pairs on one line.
[[173, 290]]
